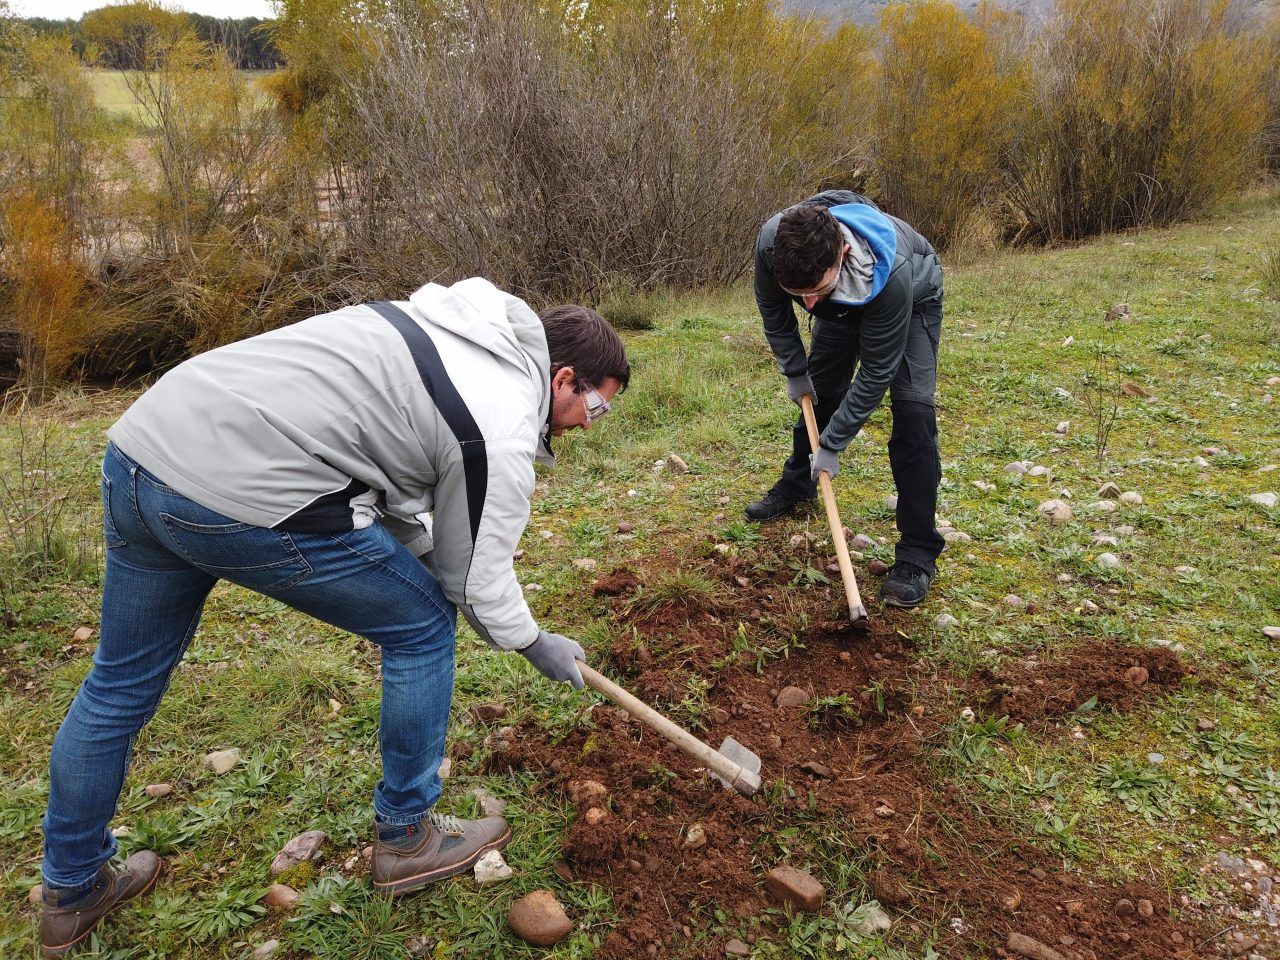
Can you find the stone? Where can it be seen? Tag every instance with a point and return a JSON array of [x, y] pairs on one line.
[[1126, 531], [1271, 633], [1120, 311], [626, 527], [82, 634], [874, 922], [281, 897], [1131, 389], [266, 950], [1124, 908], [1204, 725], [539, 919], [586, 564], [305, 846], [1146, 909], [595, 816], [1025, 946], [984, 486], [891, 502], [490, 806], [676, 465], [1268, 499], [791, 697], [588, 792], [1063, 428], [222, 761], [36, 894], [1038, 471], [1108, 561], [884, 811], [945, 621], [488, 712], [877, 568], [736, 948], [695, 837], [1018, 466], [795, 888], [1065, 578], [1104, 540], [155, 790], [1059, 511], [1104, 506], [1068, 341], [1014, 602], [1199, 462], [861, 542], [956, 536], [491, 869], [1136, 676], [1062, 393], [446, 768], [1184, 569], [816, 769], [1131, 498]]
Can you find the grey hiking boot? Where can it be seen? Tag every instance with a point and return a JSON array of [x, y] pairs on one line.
[[437, 846], [70, 915]]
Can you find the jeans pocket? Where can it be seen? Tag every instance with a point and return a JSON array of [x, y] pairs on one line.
[[110, 536], [254, 557]]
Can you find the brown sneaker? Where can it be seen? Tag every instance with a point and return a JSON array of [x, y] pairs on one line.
[[437, 846], [69, 918]]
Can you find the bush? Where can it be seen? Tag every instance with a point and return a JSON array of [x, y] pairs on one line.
[[1143, 111], [941, 118]]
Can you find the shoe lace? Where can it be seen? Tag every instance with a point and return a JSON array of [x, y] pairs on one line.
[[446, 823]]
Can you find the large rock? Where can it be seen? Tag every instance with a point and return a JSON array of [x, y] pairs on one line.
[[223, 761], [303, 847], [1108, 561], [795, 888], [539, 919]]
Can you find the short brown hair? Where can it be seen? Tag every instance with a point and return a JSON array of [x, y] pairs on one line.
[[579, 337], [806, 245]]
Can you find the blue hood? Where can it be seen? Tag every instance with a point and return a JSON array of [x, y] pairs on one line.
[[878, 231]]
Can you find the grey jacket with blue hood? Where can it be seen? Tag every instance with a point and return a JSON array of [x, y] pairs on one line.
[[426, 416], [888, 270]]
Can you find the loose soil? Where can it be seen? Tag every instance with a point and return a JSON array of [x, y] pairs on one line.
[[860, 765]]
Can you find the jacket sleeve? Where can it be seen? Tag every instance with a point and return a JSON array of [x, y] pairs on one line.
[[777, 311], [882, 341], [477, 572]]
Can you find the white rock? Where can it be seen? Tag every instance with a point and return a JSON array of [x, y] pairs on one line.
[[861, 542], [1063, 428], [1108, 561], [984, 486], [1126, 530], [891, 502], [1268, 499], [545, 534], [873, 923], [798, 540], [585, 563], [491, 868], [1090, 606], [695, 837], [1199, 462], [956, 536], [945, 621], [676, 465], [1267, 469], [1018, 466], [490, 806], [121, 832], [1062, 394], [1104, 540], [1108, 491], [1184, 568], [446, 768], [1104, 506], [1273, 381], [967, 715], [221, 761], [1059, 511], [266, 950], [1271, 633], [1131, 498], [723, 548], [1065, 578], [1014, 602], [155, 790], [1037, 471], [1069, 341], [1211, 451]]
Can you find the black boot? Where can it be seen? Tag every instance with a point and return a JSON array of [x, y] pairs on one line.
[[773, 505], [906, 585]]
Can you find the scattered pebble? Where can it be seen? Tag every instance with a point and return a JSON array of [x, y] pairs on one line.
[[1108, 561], [222, 761], [595, 816], [790, 697], [736, 948], [1108, 491], [1104, 506], [82, 634], [446, 768], [794, 887], [945, 621], [1126, 530], [281, 897], [1131, 498], [305, 846], [585, 563], [1271, 633], [1033, 949], [1104, 540], [861, 542], [695, 837], [877, 568], [1068, 341], [1204, 725], [1136, 676], [956, 536], [984, 486], [1019, 466], [1199, 462], [490, 806], [539, 919], [1059, 511], [875, 922], [1063, 428], [491, 868], [36, 894], [1065, 578], [266, 950], [1268, 499], [1184, 569], [676, 465], [1015, 602], [158, 789], [816, 769], [891, 502]]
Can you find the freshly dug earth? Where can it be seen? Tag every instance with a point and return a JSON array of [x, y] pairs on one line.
[[856, 764]]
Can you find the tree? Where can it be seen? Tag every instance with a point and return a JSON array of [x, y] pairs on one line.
[[131, 36]]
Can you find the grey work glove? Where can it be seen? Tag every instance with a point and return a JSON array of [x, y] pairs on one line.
[[553, 656], [824, 459], [797, 387]]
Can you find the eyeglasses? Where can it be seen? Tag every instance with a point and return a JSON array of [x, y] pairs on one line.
[[596, 405], [827, 288]]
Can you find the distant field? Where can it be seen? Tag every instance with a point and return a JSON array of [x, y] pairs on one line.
[[115, 97]]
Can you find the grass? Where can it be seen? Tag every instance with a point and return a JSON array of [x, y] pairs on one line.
[[111, 90], [1139, 793]]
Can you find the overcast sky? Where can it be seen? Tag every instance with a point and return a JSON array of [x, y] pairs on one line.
[[73, 9]]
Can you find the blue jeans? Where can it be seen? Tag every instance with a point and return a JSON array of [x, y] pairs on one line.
[[164, 554]]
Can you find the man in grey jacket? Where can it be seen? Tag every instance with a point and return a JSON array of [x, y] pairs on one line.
[[371, 467], [874, 288]]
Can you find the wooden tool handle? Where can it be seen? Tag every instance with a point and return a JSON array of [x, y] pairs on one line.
[[713, 760], [856, 610]]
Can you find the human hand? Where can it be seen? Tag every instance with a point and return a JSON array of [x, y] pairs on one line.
[[554, 657], [824, 459], [797, 387]]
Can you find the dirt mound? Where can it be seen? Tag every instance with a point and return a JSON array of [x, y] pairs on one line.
[[856, 764]]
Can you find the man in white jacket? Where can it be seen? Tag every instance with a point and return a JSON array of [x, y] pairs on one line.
[[371, 467]]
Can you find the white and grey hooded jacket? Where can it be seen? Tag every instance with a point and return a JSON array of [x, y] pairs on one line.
[[381, 412]]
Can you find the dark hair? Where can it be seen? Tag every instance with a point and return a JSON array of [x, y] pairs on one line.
[[579, 337], [806, 246]]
